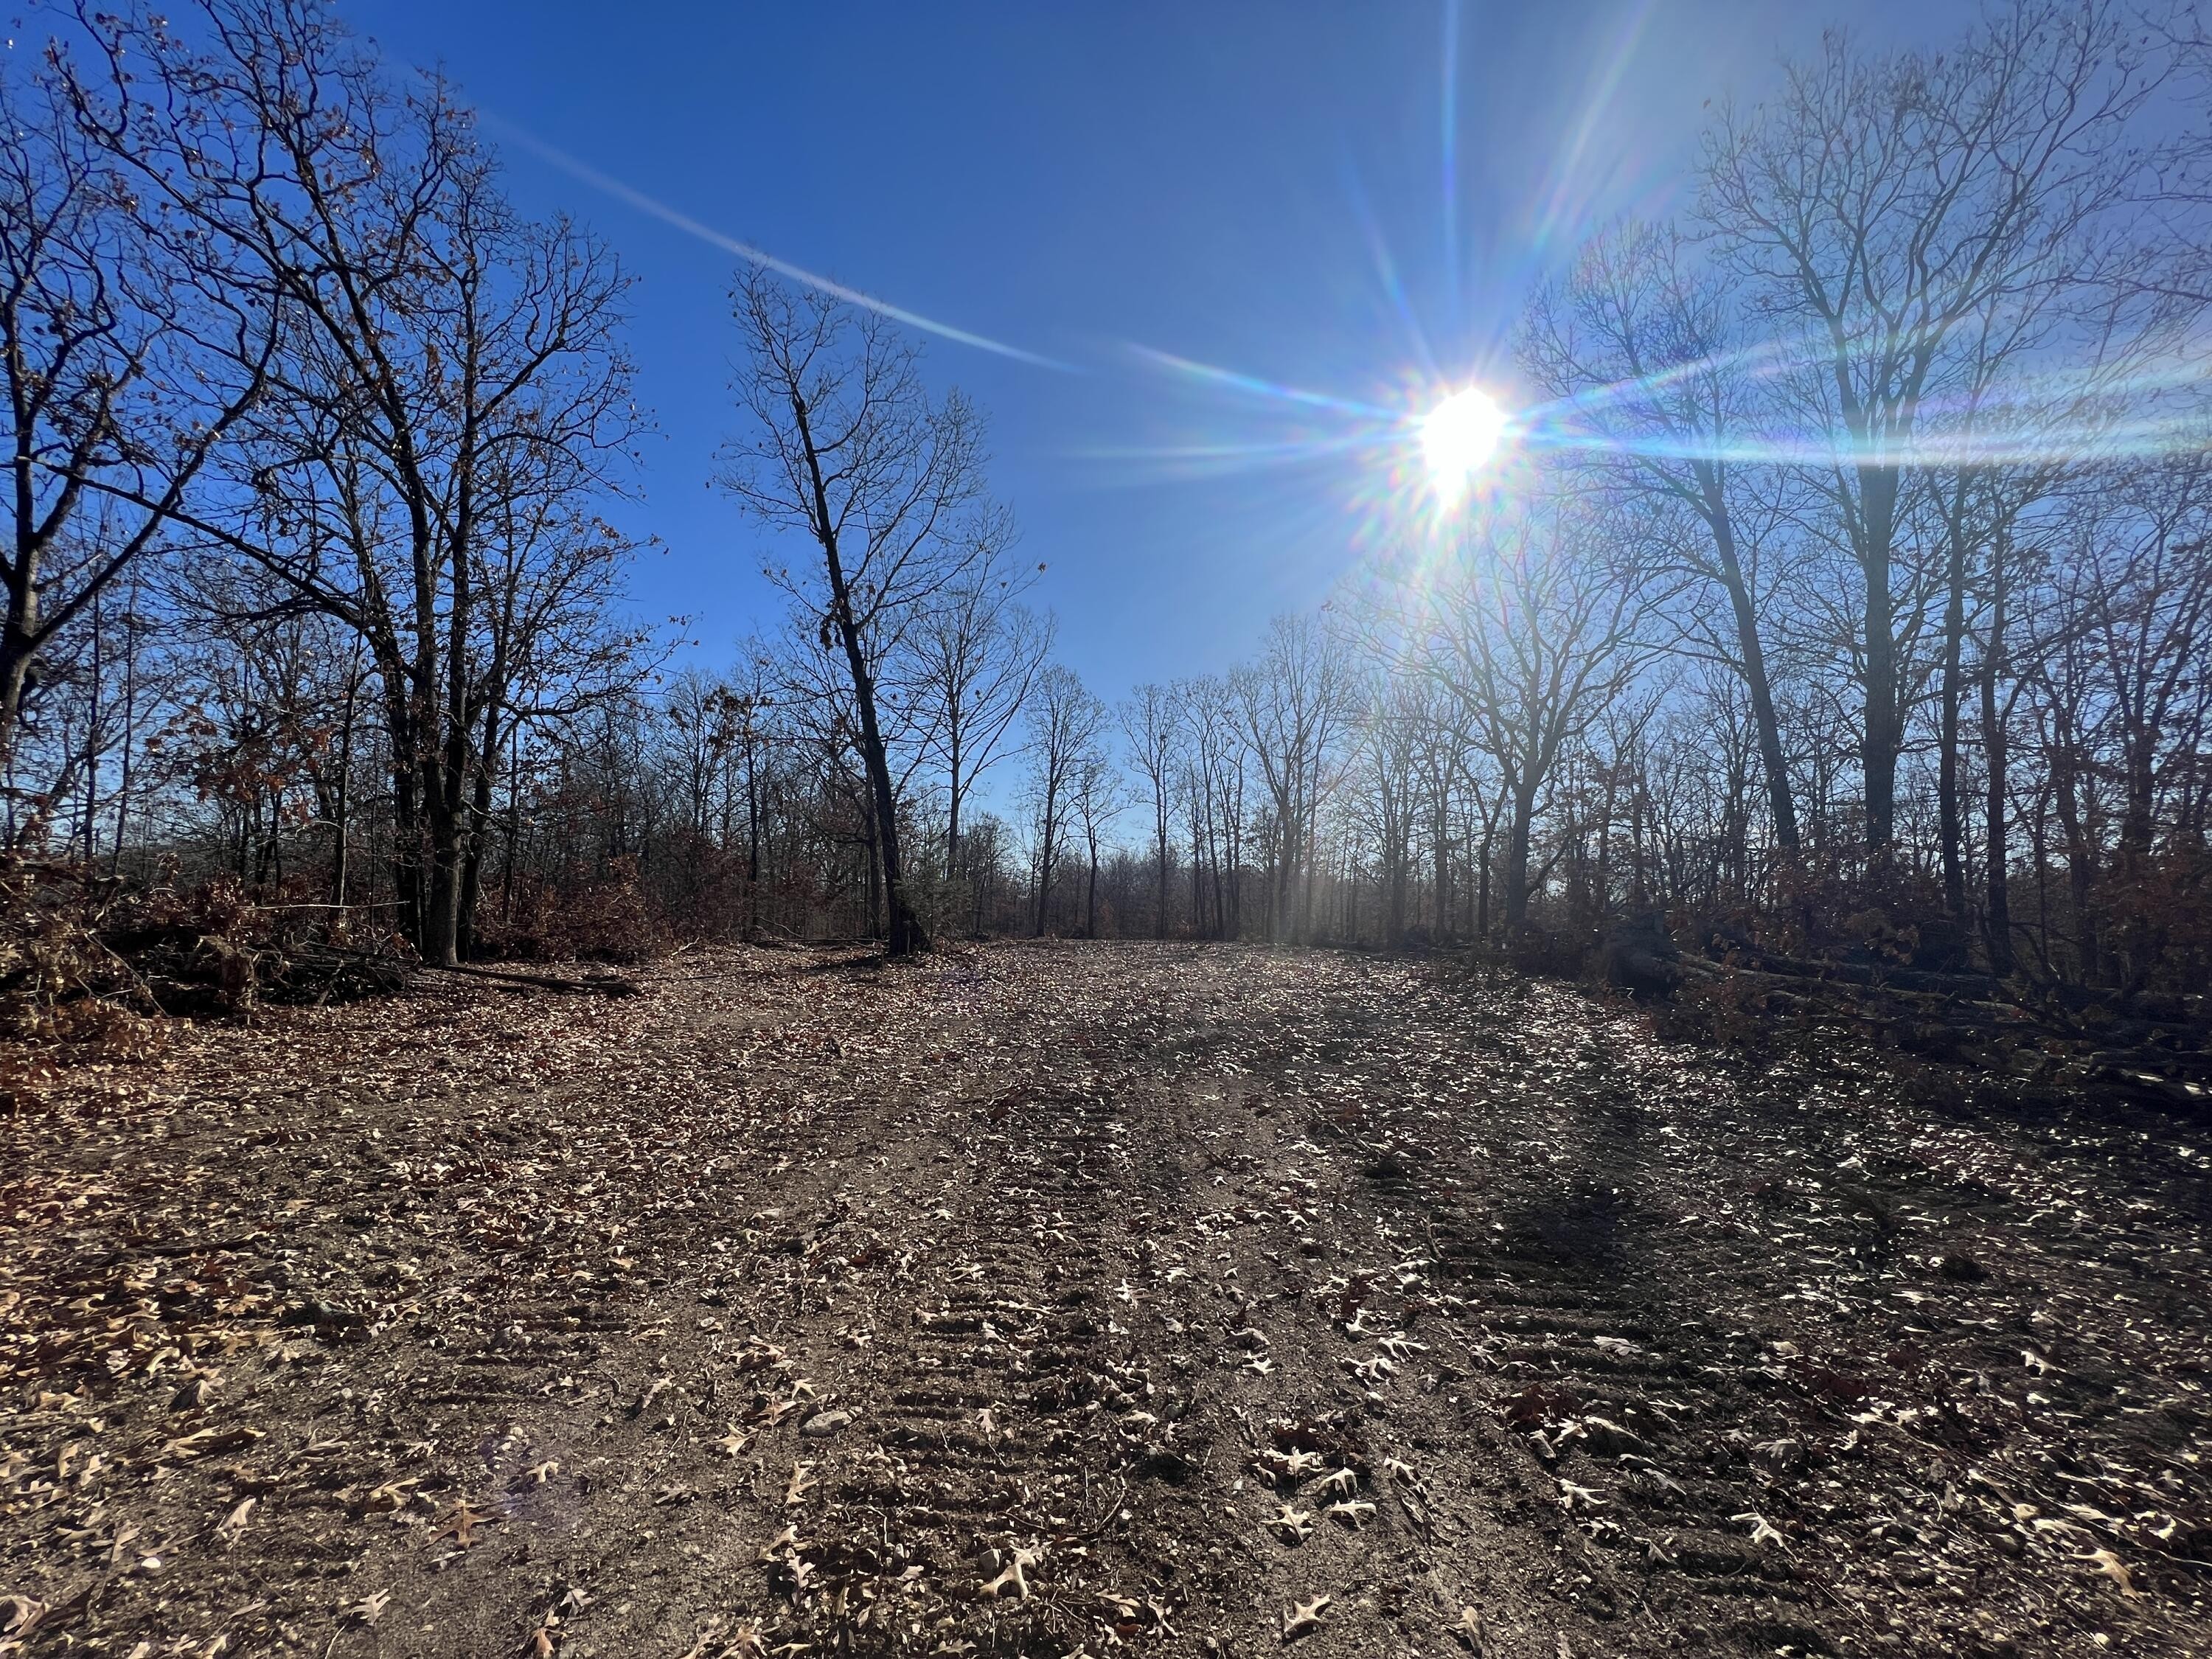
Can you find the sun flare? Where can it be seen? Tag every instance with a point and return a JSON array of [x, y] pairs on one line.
[[1458, 436]]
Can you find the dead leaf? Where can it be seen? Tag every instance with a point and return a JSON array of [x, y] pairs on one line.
[[1762, 1531], [802, 1482], [391, 1496], [229, 1529], [1015, 1575], [24, 1614], [368, 1610], [2110, 1565], [458, 1522], [1303, 1618]]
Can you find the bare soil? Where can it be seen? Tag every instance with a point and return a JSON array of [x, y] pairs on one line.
[[1059, 1299]]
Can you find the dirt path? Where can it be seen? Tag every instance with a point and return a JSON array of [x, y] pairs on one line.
[[1058, 1298]]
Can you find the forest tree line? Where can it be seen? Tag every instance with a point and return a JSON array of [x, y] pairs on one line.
[[1846, 584]]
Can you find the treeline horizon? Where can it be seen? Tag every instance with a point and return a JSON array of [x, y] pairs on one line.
[[1846, 585]]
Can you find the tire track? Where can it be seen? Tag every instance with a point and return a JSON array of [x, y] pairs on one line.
[[1015, 1424]]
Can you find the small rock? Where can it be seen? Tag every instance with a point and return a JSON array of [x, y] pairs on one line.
[[822, 1425]]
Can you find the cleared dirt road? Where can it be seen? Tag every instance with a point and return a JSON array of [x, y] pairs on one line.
[[1058, 1298]]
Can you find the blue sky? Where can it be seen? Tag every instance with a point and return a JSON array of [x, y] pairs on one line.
[[1346, 199]]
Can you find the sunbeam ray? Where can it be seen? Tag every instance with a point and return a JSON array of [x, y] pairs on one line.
[[1569, 194], [1387, 273], [1455, 284]]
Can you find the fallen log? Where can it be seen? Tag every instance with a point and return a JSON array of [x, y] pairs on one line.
[[1978, 987], [2183, 1092], [1799, 982], [1985, 1034], [604, 985]]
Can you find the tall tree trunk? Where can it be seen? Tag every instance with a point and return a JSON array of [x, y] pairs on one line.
[[905, 932], [1482, 883], [1877, 487], [16, 653], [478, 840], [1516, 860], [1197, 876], [1046, 851], [1997, 922], [753, 841], [953, 809], [408, 886], [2081, 863], [342, 804], [1440, 840], [131, 644], [1160, 843], [442, 912], [1779, 803], [1950, 820]]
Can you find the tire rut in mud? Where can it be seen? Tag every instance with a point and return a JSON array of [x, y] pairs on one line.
[[1010, 1502], [1616, 1408], [1541, 1232]]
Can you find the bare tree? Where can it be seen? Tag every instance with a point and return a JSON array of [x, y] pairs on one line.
[[2143, 582], [1395, 730], [1876, 207], [1538, 634], [849, 450], [1642, 342], [1148, 721], [1210, 775], [1101, 797], [1294, 708], [125, 372], [976, 656], [447, 392], [1064, 727]]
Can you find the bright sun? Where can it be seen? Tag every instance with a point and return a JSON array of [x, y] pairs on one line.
[[1459, 435]]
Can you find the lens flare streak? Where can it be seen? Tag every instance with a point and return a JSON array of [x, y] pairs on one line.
[[1253, 383], [629, 194]]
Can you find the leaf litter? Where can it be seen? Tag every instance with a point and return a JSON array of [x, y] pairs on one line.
[[1063, 1247]]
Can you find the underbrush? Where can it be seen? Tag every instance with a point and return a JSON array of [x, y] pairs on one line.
[[602, 918], [1911, 990], [95, 965]]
